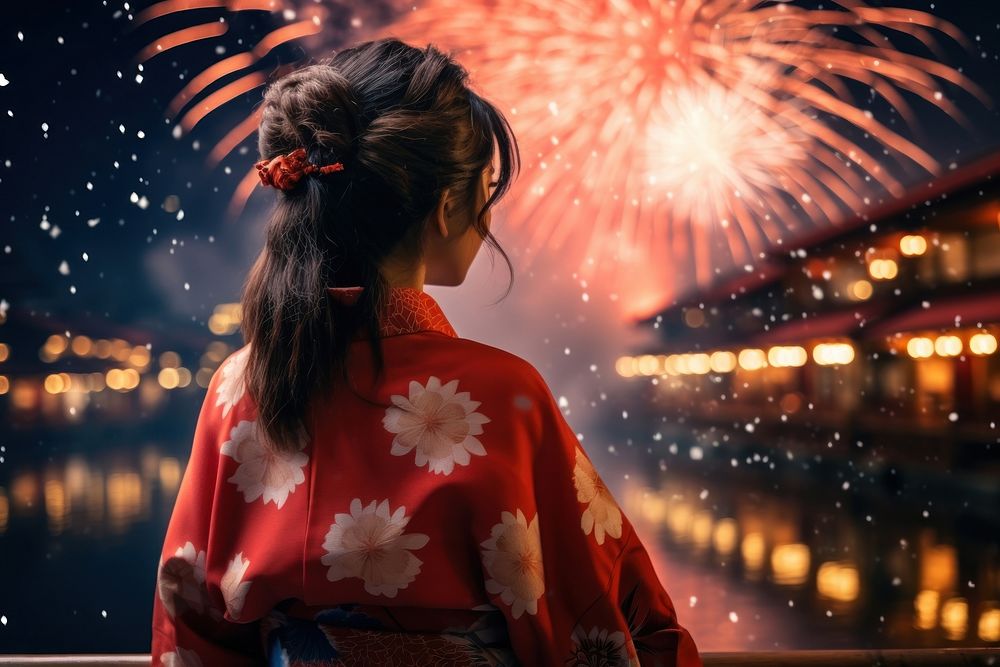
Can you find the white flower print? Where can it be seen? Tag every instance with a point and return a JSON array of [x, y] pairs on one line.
[[234, 589], [182, 657], [262, 471], [438, 423], [600, 647], [232, 387], [602, 515], [180, 582], [369, 544], [513, 559]]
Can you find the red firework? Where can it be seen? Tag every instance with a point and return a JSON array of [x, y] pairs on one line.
[[663, 139]]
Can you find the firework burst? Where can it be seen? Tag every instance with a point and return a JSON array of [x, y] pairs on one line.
[[664, 139], [694, 134]]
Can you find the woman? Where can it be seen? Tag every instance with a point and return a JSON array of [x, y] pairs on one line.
[[365, 487]]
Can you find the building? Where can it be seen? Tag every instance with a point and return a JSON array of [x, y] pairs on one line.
[[883, 329]]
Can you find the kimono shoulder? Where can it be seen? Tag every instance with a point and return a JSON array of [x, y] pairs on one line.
[[503, 382]]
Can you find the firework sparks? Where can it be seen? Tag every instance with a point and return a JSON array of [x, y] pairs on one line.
[[693, 133], [677, 136]]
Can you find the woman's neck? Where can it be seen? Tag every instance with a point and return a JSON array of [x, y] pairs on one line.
[[398, 275]]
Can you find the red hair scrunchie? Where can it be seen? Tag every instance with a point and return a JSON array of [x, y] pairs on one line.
[[285, 171]]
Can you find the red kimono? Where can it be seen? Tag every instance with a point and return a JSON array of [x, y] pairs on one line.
[[457, 523]]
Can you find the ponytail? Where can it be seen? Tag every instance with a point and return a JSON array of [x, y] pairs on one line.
[[405, 126]]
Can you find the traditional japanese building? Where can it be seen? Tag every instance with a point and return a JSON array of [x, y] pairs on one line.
[[882, 328]]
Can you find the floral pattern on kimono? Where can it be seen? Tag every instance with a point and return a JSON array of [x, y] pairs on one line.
[[443, 513]]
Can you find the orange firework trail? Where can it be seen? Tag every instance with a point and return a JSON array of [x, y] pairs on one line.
[[319, 25], [688, 134]]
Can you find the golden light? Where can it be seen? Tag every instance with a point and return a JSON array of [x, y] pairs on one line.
[[170, 473], [183, 377], [752, 359], [75, 382], [24, 491], [233, 311], [838, 581], [139, 356], [722, 361], [938, 567], [24, 394], [649, 364], [787, 356], [130, 379], [790, 564], [4, 385], [681, 364], [225, 319], [983, 343], [989, 624], [81, 346], [724, 537], [114, 379], [752, 550], [120, 349], [948, 346], [883, 269], [102, 348], [625, 366], [654, 508], [955, 618], [833, 354], [56, 505], [919, 347], [701, 529], [926, 607], [661, 359], [124, 498], [699, 363], [56, 344], [216, 351], [168, 378], [96, 382], [218, 324], [912, 245], [679, 519], [169, 360], [860, 290], [54, 383], [4, 352]]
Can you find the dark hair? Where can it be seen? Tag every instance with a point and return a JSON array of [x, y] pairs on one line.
[[406, 126]]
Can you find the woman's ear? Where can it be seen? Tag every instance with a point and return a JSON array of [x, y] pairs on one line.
[[441, 213]]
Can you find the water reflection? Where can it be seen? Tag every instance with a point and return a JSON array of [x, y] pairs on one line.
[[753, 563], [82, 497], [891, 583]]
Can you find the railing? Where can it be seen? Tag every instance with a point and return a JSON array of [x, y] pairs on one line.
[[948, 657]]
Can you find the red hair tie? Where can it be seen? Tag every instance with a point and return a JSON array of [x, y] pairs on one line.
[[285, 171]]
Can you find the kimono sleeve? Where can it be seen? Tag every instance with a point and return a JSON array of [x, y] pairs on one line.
[[189, 627], [590, 595]]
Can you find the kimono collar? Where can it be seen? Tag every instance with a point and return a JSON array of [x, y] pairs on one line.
[[409, 310]]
